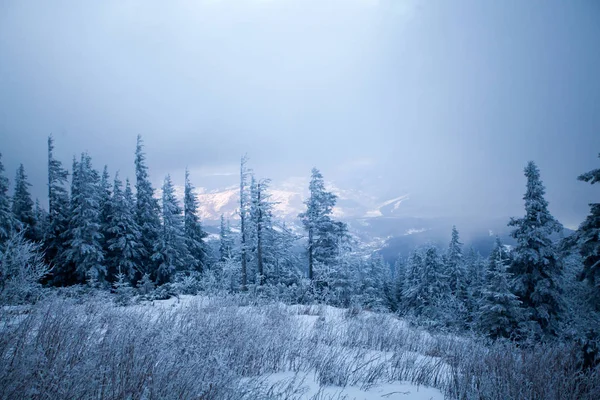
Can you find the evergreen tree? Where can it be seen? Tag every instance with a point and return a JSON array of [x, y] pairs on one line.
[[225, 241], [536, 265], [499, 312], [373, 283], [41, 222], [22, 205], [58, 219], [147, 210], [194, 234], [8, 223], [125, 239], [170, 251], [588, 238], [83, 235], [244, 209], [428, 293], [455, 268], [104, 199], [260, 215], [324, 234]]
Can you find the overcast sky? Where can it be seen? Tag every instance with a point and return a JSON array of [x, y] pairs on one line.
[[444, 100]]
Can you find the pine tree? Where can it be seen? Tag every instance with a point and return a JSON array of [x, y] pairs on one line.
[[588, 238], [499, 312], [8, 223], [225, 241], [428, 293], [147, 210], [324, 234], [373, 283], [536, 265], [22, 205], [170, 251], [244, 206], [41, 222], [83, 236], [104, 199], [194, 234], [58, 219], [260, 215], [455, 268], [125, 239]]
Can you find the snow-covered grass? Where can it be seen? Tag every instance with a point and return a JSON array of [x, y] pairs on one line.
[[199, 347]]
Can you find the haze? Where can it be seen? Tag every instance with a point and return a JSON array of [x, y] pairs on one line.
[[444, 101]]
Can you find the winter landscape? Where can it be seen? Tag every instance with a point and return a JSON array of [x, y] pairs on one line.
[[322, 200]]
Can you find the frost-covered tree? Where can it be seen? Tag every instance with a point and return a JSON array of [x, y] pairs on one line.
[[170, 250], [194, 234], [104, 200], [8, 223], [455, 267], [226, 241], [21, 269], [147, 209], [58, 219], [243, 211], [536, 264], [499, 312], [588, 238], [125, 247], [374, 279], [428, 291], [41, 222], [260, 219], [324, 234], [83, 236], [22, 204]]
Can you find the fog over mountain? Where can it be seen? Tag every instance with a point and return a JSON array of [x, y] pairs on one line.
[[442, 102]]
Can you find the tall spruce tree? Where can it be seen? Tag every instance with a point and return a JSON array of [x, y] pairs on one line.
[[244, 209], [194, 234], [225, 241], [22, 204], [324, 234], [588, 238], [104, 200], [499, 312], [147, 210], [83, 236], [170, 251], [125, 247], [455, 267], [536, 264], [58, 219], [8, 223]]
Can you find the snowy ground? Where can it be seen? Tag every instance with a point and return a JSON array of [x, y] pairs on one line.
[[329, 323]]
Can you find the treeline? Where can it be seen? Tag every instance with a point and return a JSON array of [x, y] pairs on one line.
[[99, 231]]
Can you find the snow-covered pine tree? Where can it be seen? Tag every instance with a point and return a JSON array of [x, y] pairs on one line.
[[83, 237], [499, 312], [324, 234], [41, 222], [22, 205], [373, 283], [8, 222], [104, 199], [170, 250], [400, 283], [58, 219], [429, 293], [283, 262], [244, 209], [261, 222], [125, 247], [194, 234], [225, 241], [147, 210], [455, 267], [588, 238], [536, 264]]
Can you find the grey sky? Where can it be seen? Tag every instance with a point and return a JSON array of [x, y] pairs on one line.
[[443, 100]]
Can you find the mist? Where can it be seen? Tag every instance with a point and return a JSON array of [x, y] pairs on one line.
[[443, 101]]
